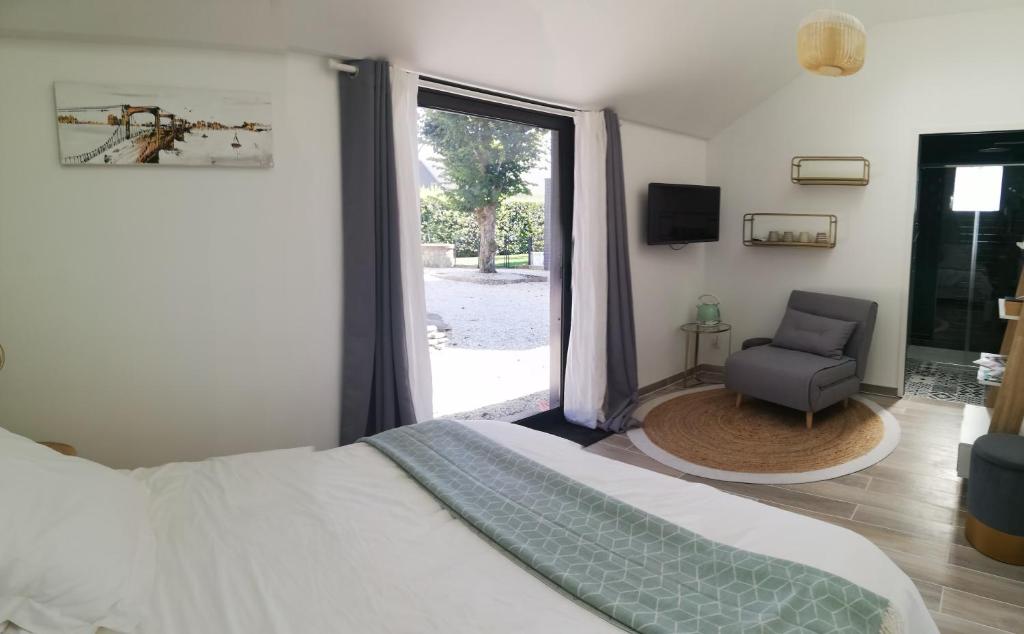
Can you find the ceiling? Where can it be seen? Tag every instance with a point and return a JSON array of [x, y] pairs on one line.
[[692, 66]]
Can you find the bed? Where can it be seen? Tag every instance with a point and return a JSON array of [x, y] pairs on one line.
[[346, 541]]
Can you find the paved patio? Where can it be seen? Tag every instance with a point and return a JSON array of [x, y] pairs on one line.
[[496, 363]]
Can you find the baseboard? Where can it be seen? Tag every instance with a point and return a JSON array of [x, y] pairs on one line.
[[675, 378], [657, 385], [879, 390]]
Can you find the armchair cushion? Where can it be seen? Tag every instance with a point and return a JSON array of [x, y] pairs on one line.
[[792, 378], [822, 336]]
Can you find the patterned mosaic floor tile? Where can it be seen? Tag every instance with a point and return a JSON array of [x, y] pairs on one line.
[[943, 382]]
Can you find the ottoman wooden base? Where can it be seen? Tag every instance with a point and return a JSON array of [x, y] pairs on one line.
[[994, 543]]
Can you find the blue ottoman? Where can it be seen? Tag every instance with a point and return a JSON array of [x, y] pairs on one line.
[[995, 497]]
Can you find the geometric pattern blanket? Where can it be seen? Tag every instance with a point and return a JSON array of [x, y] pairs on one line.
[[648, 574]]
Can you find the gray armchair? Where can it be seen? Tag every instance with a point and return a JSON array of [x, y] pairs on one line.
[[817, 358]]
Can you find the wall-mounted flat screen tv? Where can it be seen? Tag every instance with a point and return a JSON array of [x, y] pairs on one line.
[[678, 214]]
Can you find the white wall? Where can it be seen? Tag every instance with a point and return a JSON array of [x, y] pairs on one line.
[[255, 25], [949, 74], [154, 314], [666, 283], [169, 314], [157, 314]]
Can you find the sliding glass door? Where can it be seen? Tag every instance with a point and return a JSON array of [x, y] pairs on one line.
[[970, 215], [496, 205]]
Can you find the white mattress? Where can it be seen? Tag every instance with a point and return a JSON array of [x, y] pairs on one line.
[[344, 541]]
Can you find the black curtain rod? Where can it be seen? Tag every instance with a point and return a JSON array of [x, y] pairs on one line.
[[494, 93]]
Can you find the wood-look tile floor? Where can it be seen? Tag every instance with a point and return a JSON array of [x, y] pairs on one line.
[[910, 505]]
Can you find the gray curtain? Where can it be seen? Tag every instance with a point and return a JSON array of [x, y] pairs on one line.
[[375, 392], [621, 395]]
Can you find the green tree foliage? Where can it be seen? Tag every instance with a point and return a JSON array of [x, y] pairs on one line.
[[440, 223], [519, 221], [485, 162]]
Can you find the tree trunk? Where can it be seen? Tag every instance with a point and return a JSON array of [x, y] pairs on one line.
[[486, 220]]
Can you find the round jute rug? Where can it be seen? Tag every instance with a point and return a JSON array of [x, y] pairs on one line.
[[702, 432]]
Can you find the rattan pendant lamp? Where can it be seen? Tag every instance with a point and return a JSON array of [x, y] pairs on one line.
[[831, 43]]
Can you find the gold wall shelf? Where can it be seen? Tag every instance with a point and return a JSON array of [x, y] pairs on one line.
[[758, 230], [830, 170]]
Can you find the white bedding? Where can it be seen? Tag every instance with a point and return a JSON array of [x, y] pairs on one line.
[[344, 541]]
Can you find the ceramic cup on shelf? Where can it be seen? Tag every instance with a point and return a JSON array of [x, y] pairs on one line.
[[773, 236], [787, 236], [805, 236]]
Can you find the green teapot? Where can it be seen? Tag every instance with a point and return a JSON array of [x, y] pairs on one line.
[[707, 311]]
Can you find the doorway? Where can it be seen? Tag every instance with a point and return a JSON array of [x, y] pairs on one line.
[[496, 217], [968, 221]]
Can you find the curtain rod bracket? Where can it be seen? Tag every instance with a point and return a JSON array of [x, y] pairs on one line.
[[342, 67]]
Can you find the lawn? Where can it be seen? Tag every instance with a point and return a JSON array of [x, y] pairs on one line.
[[516, 261]]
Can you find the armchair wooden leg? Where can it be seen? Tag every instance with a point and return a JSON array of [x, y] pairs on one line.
[[739, 399], [846, 402], [809, 419]]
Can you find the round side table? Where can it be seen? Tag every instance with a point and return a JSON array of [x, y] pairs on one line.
[[697, 329]]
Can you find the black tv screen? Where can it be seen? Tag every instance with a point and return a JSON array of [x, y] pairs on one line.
[[677, 214]]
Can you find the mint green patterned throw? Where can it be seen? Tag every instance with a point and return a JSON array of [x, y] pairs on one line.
[[648, 574]]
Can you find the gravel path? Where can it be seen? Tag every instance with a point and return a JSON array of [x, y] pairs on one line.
[[496, 364], [499, 311]]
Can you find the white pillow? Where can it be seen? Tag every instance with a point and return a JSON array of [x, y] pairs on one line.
[[77, 550]]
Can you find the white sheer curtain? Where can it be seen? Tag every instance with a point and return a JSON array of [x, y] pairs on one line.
[[586, 362], [404, 86]]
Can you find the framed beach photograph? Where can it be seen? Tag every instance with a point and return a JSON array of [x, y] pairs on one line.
[[112, 124]]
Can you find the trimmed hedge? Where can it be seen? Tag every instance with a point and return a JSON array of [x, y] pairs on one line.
[[518, 221]]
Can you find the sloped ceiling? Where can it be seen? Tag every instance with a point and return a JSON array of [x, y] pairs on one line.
[[692, 66]]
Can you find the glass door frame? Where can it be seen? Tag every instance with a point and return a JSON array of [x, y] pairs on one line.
[[560, 249], [944, 149]]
